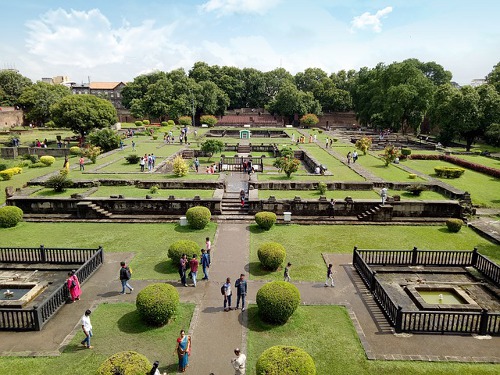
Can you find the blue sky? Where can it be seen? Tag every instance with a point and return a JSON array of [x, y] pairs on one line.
[[117, 40]]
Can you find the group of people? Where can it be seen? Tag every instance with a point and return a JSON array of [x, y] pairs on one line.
[[183, 137], [241, 292], [352, 157], [148, 160], [328, 142], [193, 264]]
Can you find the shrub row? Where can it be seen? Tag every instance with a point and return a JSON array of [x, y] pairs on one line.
[[7, 174], [461, 162], [449, 172]]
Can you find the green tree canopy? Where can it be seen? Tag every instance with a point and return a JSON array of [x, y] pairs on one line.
[[37, 99], [493, 78], [82, 113], [12, 85], [212, 146]]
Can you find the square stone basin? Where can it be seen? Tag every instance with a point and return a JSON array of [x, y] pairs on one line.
[[438, 297], [18, 294]]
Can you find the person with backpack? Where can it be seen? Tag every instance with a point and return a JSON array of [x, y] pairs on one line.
[[125, 276]]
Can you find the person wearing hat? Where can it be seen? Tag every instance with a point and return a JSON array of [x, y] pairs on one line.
[[239, 362]]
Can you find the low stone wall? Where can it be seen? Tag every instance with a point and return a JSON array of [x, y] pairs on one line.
[[431, 209], [14, 152], [312, 185], [119, 206], [256, 133]]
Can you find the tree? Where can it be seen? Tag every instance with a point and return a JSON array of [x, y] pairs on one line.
[[492, 134], [309, 119], [290, 101], [286, 164], [82, 113], [363, 144], [212, 146], [12, 85], [390, 154], [493, 78], [37, 99], [185, 121], [179, 166], [106, 139]]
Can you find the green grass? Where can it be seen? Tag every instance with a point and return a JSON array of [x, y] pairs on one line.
[[27, 138], [377, 167], [340, 171], [116, 327], [305, 244], [144, 176], [341, 194], [327, 334], [149, 242], [134, 192], [483, 160], [294, 177], [482, 188], [52, 194]]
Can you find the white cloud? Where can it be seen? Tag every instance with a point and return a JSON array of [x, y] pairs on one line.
[[225, 7], [87, 39], [368, 20]]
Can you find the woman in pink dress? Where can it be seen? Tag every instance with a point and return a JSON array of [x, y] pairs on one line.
[[74, 286]]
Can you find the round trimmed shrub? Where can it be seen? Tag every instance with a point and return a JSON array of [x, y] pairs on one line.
[[277, 301], [146, 122], [271, 255], [75, 150], [125, 363], [180, 247], [138, 123], [281, 359], [6, 174], [157, 303], [454, 225], [10, 216], [412, 176], [198, 217], [47, 160], [164, 123], [265, 219]]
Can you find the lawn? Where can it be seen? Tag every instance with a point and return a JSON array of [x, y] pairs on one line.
[[483, 160], [134, 192], [117, 327], [294, 177], [143, 176], [327, 334], [340, 171], [305, 244], [482, 188], [341, 194], [27, 138], [50, 193], [149, 242]]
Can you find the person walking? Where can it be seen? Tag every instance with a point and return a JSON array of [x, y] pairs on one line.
[[182, 269], [239, 362], [193, 264], [354, 156], [183, 350], [329, 275], [133, 145], [383, 195], [208, 248], [87, 329], [241, 292], [74, 286], [125, 276], [205, 263], [286, 275], [82, 163], [227, 294]]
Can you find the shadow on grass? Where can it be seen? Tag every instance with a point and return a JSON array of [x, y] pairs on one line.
[[131, 323], [255, 269], [255, 229], [444, 230], [165, 267], [254, 323]]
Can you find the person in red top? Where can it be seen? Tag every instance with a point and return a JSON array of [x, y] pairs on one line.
[[193, 264]]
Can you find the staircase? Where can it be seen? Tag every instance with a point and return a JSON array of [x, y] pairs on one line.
[[369, 214], [231, 208], [244, 149], [89, 210]]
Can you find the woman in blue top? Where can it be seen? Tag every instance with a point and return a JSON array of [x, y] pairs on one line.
[[183, 350]]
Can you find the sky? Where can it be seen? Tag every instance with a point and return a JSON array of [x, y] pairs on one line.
[[110, 40]]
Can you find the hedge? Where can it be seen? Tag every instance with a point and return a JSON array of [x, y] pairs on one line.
[[281, 359], [180, 247], [449, 172], [125, 363], [454, 225], [265, 219], [460, 162], [271, 255], [157, 303], [10, 216], [277, 301], [198, 217]]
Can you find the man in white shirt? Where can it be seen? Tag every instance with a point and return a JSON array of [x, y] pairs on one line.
[[239, 362], [87, 329]]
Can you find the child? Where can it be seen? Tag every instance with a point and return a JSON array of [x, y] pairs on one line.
[[329, 275], [287, 272]]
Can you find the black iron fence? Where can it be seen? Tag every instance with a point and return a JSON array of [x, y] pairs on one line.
[[483, 323], [236, 164], [34, 319]]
